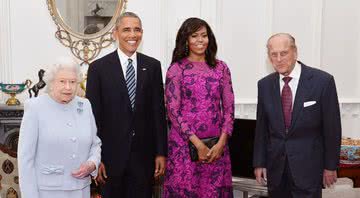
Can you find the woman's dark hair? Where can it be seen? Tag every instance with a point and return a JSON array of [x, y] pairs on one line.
[[190, 26]]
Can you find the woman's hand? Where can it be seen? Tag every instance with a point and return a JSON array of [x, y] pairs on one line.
[[217, 150], [203, 150], [85, 169]]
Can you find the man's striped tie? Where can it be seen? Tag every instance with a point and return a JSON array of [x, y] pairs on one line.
[[131, 82]]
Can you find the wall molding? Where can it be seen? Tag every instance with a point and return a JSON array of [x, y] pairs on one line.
[[6, 75], [210, 12], [218, 21], [163, 51], [350, 110], [246, 109], [5, 42], [268, 31], [317, 15]]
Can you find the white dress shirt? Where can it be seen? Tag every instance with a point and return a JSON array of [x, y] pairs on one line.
[[124, 60], [295, 75]]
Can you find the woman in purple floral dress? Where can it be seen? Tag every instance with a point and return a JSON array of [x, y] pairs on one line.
[[200, 104]]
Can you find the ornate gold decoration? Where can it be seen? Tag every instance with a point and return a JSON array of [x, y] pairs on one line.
[[85, 47], [83, 82], [13, 89]]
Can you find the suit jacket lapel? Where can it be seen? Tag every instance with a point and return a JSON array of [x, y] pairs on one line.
[[142, 70], [277, 102], [119, 80], [303, 89]]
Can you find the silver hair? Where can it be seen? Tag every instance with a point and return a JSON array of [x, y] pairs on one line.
[[62, 64], [126, 14], [289, 36]]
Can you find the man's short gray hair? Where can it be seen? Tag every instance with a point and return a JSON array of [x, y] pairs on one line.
[[289, 36], [62, 64], [126, 14]]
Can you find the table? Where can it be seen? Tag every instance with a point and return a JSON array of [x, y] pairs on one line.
[[352, 173], [249, 186]]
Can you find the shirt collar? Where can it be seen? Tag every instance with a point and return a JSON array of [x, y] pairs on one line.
[[124, 58], [295, 73]]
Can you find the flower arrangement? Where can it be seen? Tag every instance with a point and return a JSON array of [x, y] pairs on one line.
[[350, 152]]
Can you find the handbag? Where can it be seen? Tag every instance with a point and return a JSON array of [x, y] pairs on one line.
[[209, 142]]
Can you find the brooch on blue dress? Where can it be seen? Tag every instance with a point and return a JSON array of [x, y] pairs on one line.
[[80, 107]]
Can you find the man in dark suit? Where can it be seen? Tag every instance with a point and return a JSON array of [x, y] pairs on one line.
[[298, 129], [125, 89]]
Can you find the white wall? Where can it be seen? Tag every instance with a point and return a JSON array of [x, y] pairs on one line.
[[327, 34]]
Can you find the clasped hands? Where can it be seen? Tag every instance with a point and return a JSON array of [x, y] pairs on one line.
[[84, 170], [209, 155]]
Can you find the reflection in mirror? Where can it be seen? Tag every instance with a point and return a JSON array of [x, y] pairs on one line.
[[84, 26], [86, 16]]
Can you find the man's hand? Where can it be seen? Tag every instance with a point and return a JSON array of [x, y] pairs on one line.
[[84, 170], [329, 177], [260, 174], [101, 176], [160, 164]]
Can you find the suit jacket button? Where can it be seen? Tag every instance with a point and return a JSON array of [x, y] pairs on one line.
[[133, 134]]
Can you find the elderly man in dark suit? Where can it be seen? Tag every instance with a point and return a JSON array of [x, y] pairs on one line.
[[125, 89], [298, 129]]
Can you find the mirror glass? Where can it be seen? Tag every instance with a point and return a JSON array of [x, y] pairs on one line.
[[86, 17]]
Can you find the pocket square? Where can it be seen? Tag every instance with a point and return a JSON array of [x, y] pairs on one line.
[[144, 69], [309, 103]]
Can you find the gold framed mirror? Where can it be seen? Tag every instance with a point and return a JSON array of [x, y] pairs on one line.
[[85, 26]]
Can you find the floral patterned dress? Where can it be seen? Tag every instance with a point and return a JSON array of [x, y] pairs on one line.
[[200, 101]]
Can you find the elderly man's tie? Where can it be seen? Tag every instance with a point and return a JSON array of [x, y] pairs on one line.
[[286, 100], [131, 82]]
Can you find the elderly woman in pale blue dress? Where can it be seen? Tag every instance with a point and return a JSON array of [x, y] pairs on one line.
[[58, 148]]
